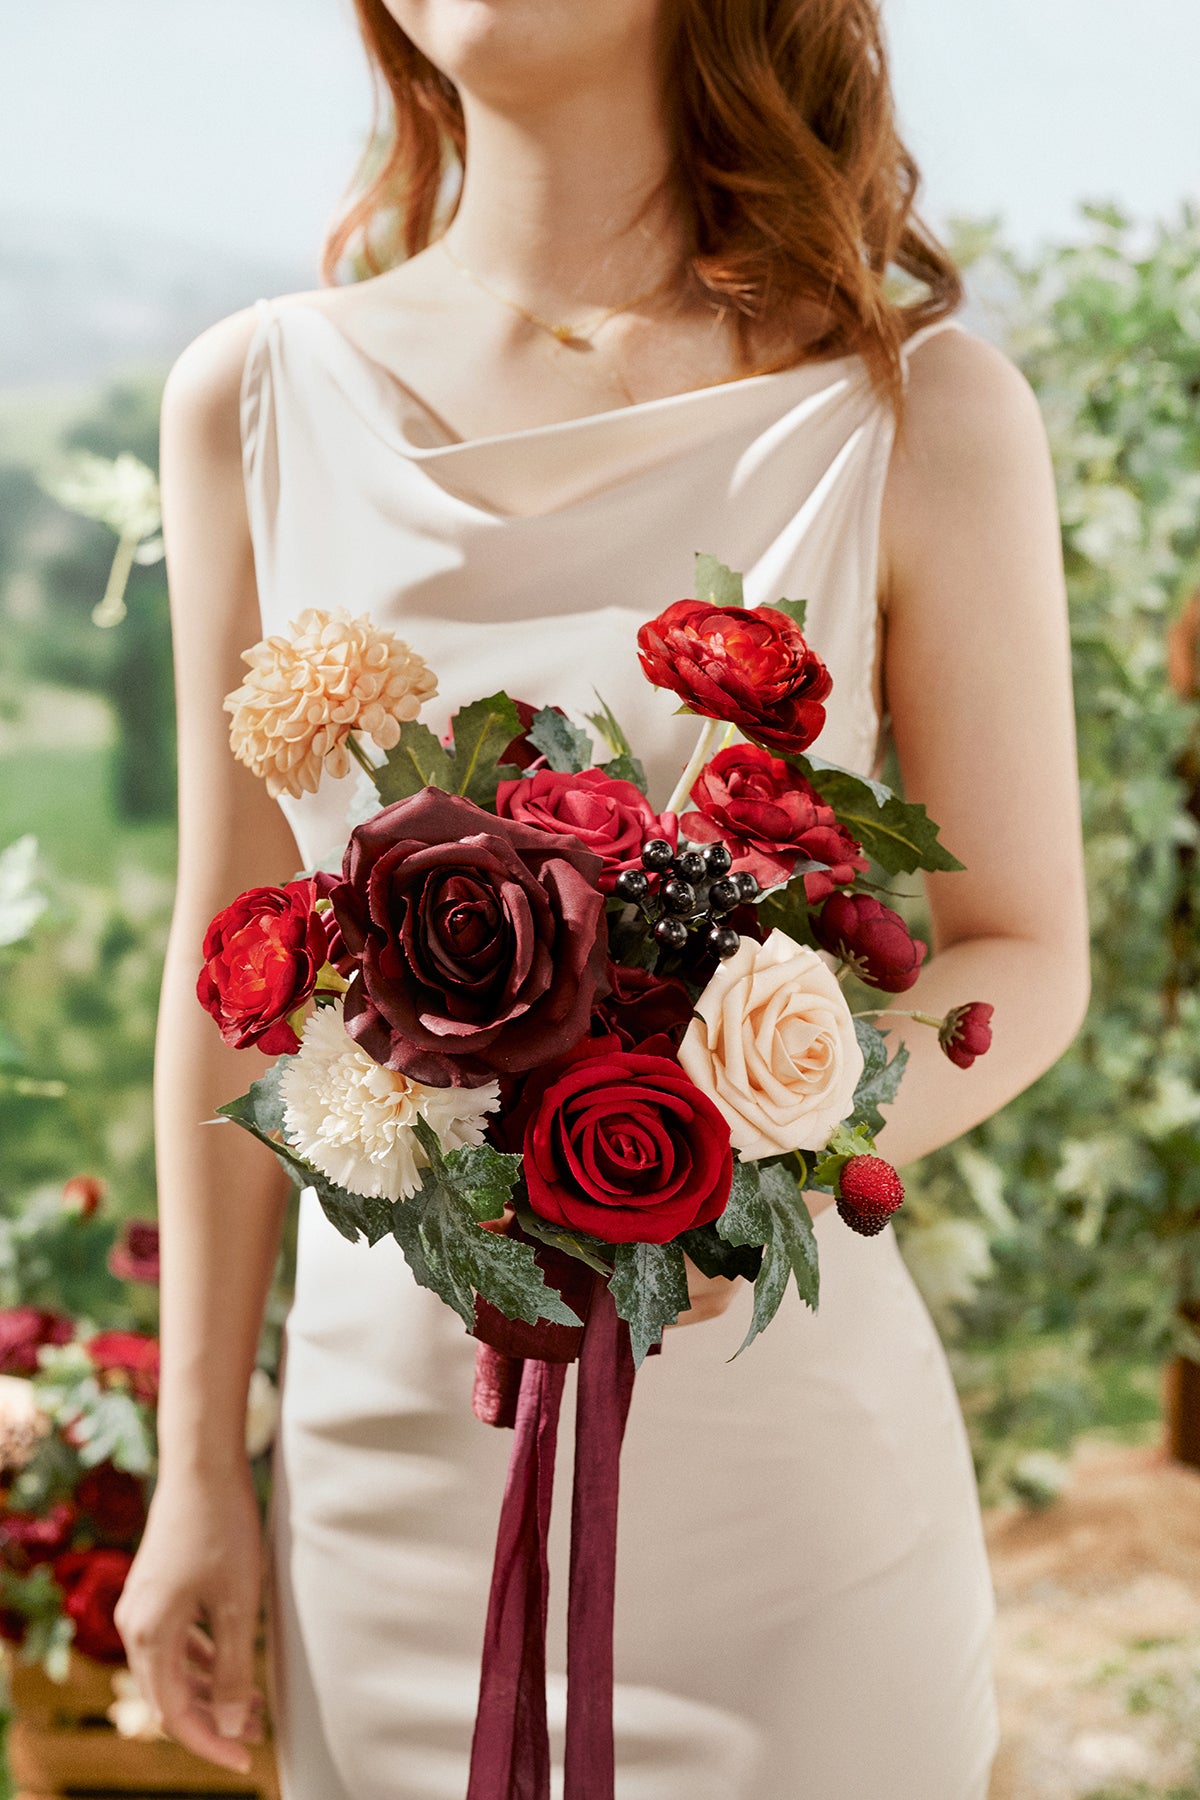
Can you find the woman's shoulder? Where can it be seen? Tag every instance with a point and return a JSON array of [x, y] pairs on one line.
[[964, 394]]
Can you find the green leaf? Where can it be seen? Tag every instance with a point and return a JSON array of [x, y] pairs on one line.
[[482, 732], [626, 768], [649, 1289], [843, 1145], [767, 1207], [416, 762], [605, 724], [447, 1248], [880, 1080], [898, 834], [716, 584], [584, 1249], [566, 747], [260, 1112], [796, 610], [713, 1256], [786, 909]]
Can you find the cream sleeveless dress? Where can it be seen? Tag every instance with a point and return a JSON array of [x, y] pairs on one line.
[[803, 1605]]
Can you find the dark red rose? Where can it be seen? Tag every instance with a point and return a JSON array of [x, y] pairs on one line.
[[872, 938], [23, 1331], [747, 665], [131, 1356], [640, 1005], [92, 1582], [83, 1194], [135, 1255], [26, 1539], [623, 1146], [771, 818], [613, 818], [261, 958], [480, 943], [113, 1502], [967, 1032]]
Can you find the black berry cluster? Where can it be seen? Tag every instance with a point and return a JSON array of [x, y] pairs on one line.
[[689, 892]]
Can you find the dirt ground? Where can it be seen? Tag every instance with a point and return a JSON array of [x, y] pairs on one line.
[[1098, 1635]]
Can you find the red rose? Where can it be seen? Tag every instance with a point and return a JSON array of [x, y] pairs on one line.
[[613, 818], [92, 1582], [480, 943], [966, 1032], [23, 1331], [26, 1540], [130, 1354], [771, 818], [640, 1005], [113, 1502], [749, 666], [872, 938], [623, 1146], [261, 958], [135, 1255]]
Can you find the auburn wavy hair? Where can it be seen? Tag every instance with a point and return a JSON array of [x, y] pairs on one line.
[[789, 172]]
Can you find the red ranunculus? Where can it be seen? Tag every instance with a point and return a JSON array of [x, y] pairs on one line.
[[26, 1539], [113, 1502], [967, 1032], [771, 818], [135, 1255], [23, 1331], [623, 1146], [92, 1582], [749, 666], [872, 938], [130, 1354], [613, 818], [641, 1005], [480, 943], [261, 958]]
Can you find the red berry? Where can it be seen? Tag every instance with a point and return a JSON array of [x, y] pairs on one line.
[[869, 1192]]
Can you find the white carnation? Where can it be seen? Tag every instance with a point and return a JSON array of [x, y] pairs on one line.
[[354, 1121]]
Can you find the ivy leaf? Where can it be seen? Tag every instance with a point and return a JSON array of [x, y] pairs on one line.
[[482, 732], [565, 745], [260, 1112], [716, 584], [713, 1256], [626, 768], [796, 610], [898, 834], [649, 1289], [584, 1249], [880, 1080], [441, 1233], [767, 1207], [416, 762]]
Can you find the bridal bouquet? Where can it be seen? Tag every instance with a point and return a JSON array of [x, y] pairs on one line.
[[532, 1003]]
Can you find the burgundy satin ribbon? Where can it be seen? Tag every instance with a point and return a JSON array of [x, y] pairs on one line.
[[510, 1752]]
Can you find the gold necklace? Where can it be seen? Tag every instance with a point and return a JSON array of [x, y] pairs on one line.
[[563, 334]]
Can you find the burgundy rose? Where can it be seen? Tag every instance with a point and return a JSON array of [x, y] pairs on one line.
[[749, 666], [131, 1356], [872, 938], [967, 1032], [641, 1005], [135, 1255], [26, 1540], [92, 1582], [480, 943], [613, 818], [623, 1146], [771, 818], [23, 1331], [261, 958], [113, 1502]]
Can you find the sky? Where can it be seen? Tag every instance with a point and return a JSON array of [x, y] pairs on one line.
[[236, 123]]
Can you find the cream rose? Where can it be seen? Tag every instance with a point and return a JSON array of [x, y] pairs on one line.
[[774, 1048]]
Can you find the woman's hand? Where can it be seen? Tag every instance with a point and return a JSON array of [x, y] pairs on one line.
[[710, 1295], [189, 1614]]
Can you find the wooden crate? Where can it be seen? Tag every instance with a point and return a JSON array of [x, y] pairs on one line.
[[60, 1742]]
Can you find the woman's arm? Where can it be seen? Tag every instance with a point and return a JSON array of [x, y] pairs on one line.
[[222, 1197], [977, 678]]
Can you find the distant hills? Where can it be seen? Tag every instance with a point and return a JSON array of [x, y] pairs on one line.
[[79, 303]]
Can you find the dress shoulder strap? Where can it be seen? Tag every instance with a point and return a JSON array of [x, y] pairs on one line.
[[950, 322], [258, 421]]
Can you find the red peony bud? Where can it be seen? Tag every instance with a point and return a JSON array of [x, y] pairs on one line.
[[872, 938], [966, 1032], [869, 1192]]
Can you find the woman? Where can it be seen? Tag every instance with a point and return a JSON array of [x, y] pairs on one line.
[[656, 323]]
